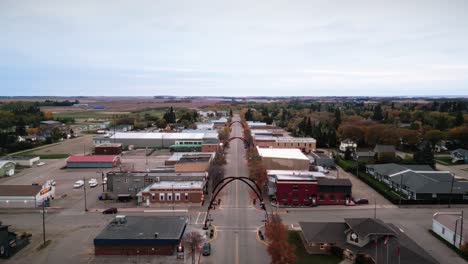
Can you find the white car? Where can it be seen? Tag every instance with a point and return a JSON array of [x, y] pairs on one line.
[[78, 184], [93, 183], [39, 164]]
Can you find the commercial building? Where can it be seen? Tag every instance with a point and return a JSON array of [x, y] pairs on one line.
[[25, 196], [320, 159], [307, 188], [283, 159], [205, 126], [128, 184], [189, 163], [172, 192], [367, 239], [7, 168], [22, 161], [449, 226], [420, 182], [10, 242], [176, 156], [306, 145], [155, 140], [96, 161], [108, 149], [141, 235]]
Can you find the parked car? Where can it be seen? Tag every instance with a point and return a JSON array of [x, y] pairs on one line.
[[321, 169], [361, 200], [78, 184], [93, 183], [112, 210], [207, 249], [39, 164]]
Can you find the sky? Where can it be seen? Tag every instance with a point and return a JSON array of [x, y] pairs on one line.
[[233, 48]]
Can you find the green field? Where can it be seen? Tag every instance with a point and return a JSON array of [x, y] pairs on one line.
[[83, 115], [305, 258], [446, 161]]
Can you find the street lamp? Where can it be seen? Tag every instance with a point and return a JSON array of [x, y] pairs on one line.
[[84, 190]]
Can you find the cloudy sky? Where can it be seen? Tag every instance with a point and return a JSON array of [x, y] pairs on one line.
[[240, 48]]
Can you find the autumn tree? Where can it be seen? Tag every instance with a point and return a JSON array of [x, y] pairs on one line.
[[280, 250], [425, 156], [193, 241], [459, 119], [434, 136]]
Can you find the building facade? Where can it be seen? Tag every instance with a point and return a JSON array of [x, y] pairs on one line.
[[96, 161], [172, 192]]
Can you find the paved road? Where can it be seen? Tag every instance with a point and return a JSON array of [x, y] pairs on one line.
[[237, 220]]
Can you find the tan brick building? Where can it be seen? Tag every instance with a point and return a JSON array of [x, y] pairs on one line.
[[172, 192], [190, 163]]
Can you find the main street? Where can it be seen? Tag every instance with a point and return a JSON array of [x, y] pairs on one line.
[[236, 220]]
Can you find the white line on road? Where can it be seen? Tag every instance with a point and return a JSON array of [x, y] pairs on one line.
[[196, 221], [237, 248]]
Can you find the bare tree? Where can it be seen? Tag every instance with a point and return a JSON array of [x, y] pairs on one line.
[[193, 241]]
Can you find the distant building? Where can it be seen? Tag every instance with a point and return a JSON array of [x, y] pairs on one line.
[[172, 192], [370, 240], [283, 159], [459, 155], [155, 140], [177, 156], [448, 225], [385, 151], [21, 161], [121, 128], [320, 159], [25, 196], [348, 144], [420, 182], [128, 184], [7, 168], [96, 161], [141, 235], [205, 126], [108, 149]]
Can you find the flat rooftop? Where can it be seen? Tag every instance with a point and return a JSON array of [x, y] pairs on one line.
[[194, 158], [280, 177], [162, 173], [297, 173], [145, 227], [178, 155], [175, 185], [177, 136], [282, 153]]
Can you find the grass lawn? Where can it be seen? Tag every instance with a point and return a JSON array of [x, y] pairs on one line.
[[446, 161], [45, 156], [303, 257]]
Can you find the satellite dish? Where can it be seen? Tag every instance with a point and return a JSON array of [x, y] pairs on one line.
[[353, 236]]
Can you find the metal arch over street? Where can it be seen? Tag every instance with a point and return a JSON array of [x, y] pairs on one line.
[[223, 183], [247, 143], [242, 124]]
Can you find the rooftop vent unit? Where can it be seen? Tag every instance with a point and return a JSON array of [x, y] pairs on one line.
[[120, 219], [156, 234]]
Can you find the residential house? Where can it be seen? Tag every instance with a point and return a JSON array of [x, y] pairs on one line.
[[348, 144], [385, 152], [459, 155], [363, 238]]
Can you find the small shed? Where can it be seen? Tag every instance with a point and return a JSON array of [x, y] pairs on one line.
[[95, 161], [7, 168]]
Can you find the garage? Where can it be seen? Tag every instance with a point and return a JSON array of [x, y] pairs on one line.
[[19, 196], [7, 168], [95, 161]]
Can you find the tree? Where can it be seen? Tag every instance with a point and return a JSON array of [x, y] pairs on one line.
[[459, 135], [193, 241], [378, 114], [280, 250], [441, 123], [230, 112], [434, 136], [459, 119], [170, 116], [248, 115], [425, 156], [337, 118]]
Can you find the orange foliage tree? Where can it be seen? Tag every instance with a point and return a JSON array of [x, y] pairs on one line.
[[280, 250]]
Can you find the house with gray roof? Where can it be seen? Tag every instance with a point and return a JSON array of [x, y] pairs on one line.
[[385, 151], [420, 182], [459, 155], [363, 238]]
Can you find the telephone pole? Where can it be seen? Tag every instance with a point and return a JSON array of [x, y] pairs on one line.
[[84, 189]]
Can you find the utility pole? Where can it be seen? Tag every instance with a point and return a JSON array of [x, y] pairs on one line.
[[461, 230], [84, 149], [84, 189], [451, 191], [375, 208], [43, 224], [102, 180]]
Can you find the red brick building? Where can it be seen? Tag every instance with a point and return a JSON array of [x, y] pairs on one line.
[[172, 192], [306, 190]]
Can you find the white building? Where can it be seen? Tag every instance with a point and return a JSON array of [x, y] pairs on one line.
[[25, 196], [448, 225], [283, 159], [22, 161], [155, 140]]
